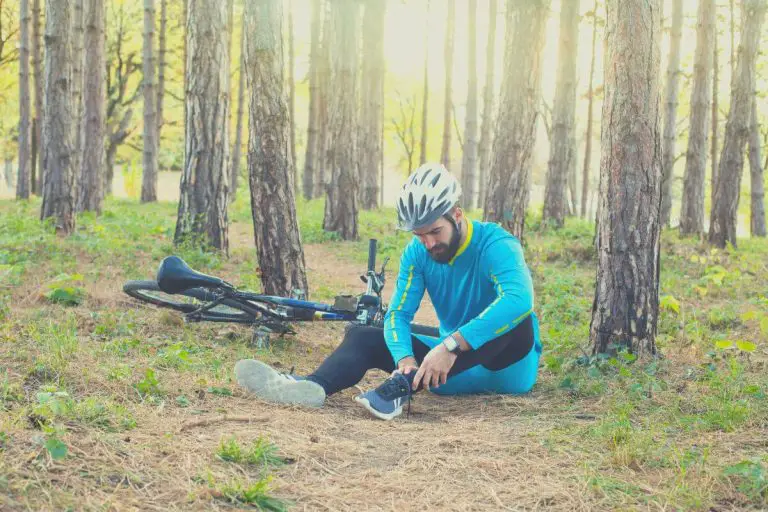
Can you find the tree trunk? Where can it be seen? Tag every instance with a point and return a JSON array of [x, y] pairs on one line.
[[77, 89], [8, 171], [625, 310], [509, 179], [445, 151], [713, 150], [757, 209], [237, 149], [149, 179], [202, 217], [469, 158], [93, 168], [732, 12], [670, 117], [342, 192], [25, 107], [58, 131], [722, 226], [161, 65], [373, 100], [692, 210], [313, 142], [276, 228], [37, 169], [484, 148], [324, 115], [425, 94], [292, 92], [590, 110], [563, 148]]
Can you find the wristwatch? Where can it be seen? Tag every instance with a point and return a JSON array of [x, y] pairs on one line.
[[451, 344]]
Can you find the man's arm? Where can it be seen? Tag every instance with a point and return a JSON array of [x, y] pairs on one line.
[[409, 290], [511, 279]]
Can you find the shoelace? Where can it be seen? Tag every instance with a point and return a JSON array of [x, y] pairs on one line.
[[395, 386]]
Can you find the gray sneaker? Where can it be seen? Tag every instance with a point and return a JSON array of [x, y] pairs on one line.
[[268, 384]]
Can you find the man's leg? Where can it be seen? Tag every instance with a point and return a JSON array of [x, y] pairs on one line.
[[363, 349]]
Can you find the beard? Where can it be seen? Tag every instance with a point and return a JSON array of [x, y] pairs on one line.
[[443, 253]]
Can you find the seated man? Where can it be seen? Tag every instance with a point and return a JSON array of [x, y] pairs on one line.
[[482, 293]]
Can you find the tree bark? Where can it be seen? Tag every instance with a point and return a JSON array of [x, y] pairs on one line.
[[692, 210], [202, 217], [341, 204], [93, 168], [590, 115], [37, 168], [161, 51], [670, 117], [313, 141], [469, 157], [445, 151], [77, 89], [324, 115], [723, 220], [625, 310], [25, 106], [484, 147], [563, 148], [373, 100], [149, 178], [276, 228], [509, 179], [757, 207], [425, 94], [58, 131], [713, 150], [292, 92], [237, 149]]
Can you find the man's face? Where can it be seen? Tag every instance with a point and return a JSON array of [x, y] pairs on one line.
[[441, 239]]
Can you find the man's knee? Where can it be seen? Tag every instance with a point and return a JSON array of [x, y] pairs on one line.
[[363, 335]]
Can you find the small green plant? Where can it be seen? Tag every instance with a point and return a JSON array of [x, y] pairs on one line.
[[751, 478], [219, 391], [242, 492], [55, 447], [148, 386], [260, 452], [64, 290]]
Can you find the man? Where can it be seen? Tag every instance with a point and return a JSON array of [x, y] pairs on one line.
[[481, 289]]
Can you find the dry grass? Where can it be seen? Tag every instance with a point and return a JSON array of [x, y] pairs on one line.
[[533, 452]]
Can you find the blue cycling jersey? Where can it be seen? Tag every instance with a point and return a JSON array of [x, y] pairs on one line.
[[483, 292]]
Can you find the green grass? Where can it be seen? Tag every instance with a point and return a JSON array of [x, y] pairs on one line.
[[80, 361]]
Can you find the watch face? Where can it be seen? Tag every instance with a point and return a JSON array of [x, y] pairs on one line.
[[451, 344]]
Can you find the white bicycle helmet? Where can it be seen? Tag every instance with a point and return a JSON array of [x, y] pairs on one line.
[[428, 194]]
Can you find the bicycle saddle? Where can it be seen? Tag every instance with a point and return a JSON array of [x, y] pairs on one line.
[[175, 276]]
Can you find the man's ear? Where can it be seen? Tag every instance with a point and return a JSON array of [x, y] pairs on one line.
[[458, 214]]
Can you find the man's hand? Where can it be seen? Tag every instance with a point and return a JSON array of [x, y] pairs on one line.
[[435, 367], [406, 365]]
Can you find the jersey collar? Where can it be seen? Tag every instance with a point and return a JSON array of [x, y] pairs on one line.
[[463, 247]]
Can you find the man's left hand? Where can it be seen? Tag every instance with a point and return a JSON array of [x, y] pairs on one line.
[[434, 369]]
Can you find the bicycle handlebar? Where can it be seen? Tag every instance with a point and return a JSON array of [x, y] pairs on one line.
[[372, 254]]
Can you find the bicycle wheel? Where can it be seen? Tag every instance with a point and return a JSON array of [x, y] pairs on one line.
[[188, 301]]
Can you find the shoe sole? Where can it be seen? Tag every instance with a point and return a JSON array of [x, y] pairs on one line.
[[381, 415], [263, 381]]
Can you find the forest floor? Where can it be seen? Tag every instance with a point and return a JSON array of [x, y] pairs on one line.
[[107, 404]]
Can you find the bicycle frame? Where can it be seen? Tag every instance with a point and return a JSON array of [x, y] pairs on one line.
[[282, 309]]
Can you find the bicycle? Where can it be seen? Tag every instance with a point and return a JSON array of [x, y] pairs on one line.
[[205, 298]]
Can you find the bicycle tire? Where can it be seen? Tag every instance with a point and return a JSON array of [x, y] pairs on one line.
[[150, 292]]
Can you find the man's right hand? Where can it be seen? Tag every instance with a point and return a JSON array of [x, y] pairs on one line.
[[406, 365]]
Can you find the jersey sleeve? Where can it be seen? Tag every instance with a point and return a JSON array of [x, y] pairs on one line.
[[504, 266], [409, 290]]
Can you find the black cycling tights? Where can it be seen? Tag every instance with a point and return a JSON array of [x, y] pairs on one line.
[[364, 348]]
